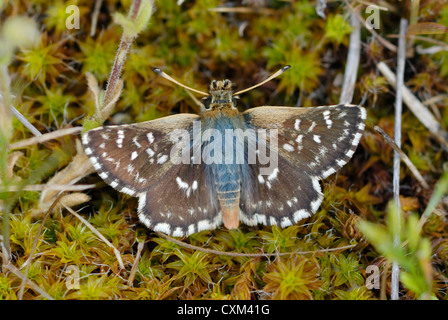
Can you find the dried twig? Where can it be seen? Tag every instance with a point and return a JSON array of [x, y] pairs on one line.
[[46, 187], [95, 14], [419, 110], [27, 263], [44, 137], [92, 228], [25, 122], [240, 254], [136, 261], [243, 10], [351, 68], [75, 171], [403, 156]]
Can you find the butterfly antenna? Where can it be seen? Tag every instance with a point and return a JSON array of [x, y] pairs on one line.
[[167, 77], [279, 72]]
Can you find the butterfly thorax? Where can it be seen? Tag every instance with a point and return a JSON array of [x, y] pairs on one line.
[[221, 100]]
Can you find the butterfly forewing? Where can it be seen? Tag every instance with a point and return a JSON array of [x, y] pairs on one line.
[[317, 140], [132, 158], [136, 159]]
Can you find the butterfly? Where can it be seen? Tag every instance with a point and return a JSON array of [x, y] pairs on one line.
[[222, 167]]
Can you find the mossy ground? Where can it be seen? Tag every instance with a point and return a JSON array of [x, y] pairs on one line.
[[195, 45]]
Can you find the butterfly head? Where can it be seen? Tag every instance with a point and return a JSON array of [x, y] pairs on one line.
[[221, 95]]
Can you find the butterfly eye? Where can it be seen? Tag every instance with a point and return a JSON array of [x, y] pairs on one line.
[[213, 85], [227, 84]]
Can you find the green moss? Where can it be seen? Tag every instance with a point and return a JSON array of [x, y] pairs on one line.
[[196, 45]]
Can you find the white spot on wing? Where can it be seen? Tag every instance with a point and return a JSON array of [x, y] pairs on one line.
[[128, 191], [136, 142], [313, 124], [300, 214], [328, 172], [162, 159], [103, 175], [288, 147], [181, 184], [363, 113], [260, 218], [285, 222], [162, 227], [85, 138], [350, 153], [273, 175], [358, 136], [150, 137], [178, 232], [150, 152], [204, 225]]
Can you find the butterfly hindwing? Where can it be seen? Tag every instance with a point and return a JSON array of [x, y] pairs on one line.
[[281, 198], [182, 203]]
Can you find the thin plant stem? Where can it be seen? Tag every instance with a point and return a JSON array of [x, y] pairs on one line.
[[120, 58], [403, 156], [5, 135], [27, 263], [353, 56], [240, 254], [401, 60]]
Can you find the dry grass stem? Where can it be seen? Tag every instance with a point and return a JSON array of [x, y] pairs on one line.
[[47, 187], [404, 157], [99, 235], [243, 10], [351, 68], [44, 137], [27, 263], [25, 122], [140, 247], [27, 281], [414, 104], [240, 254], [95, 14]]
